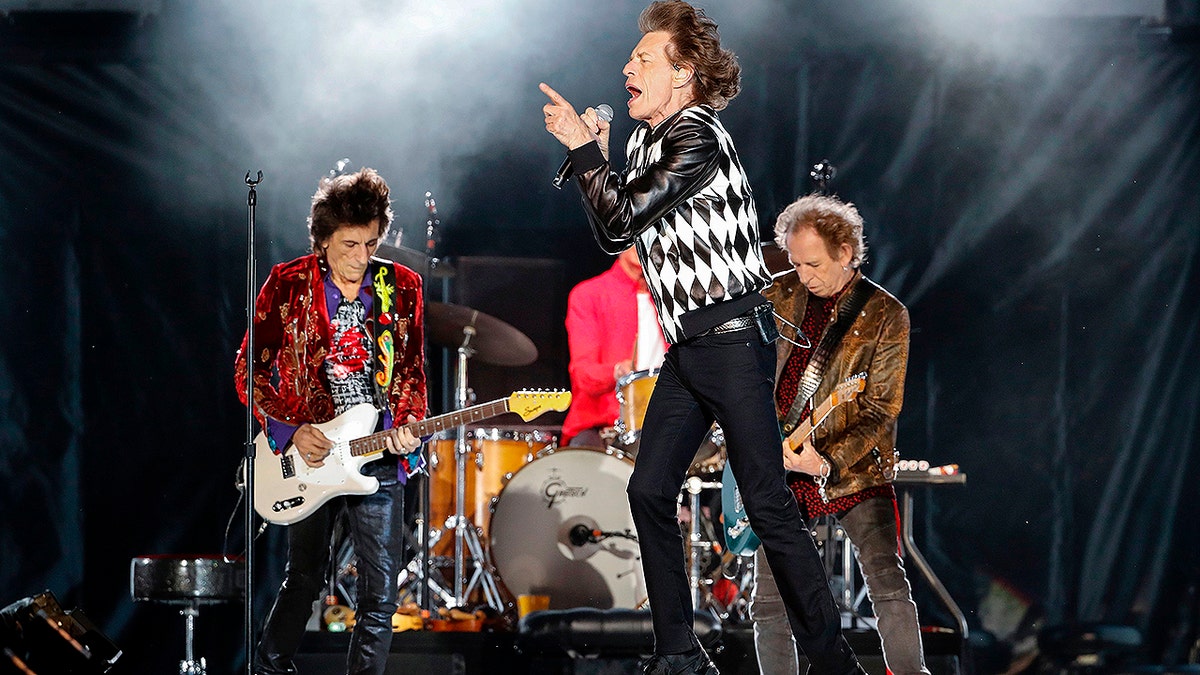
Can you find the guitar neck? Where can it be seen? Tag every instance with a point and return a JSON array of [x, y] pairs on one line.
[[376, 443], [796, 438]]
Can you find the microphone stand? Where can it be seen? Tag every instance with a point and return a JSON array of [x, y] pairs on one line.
[[426, 484], [248, 478]]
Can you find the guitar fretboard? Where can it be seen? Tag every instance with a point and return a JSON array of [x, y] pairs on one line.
[[376, 443]]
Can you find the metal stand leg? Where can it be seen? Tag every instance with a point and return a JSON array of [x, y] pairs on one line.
[[416, 583], [482, 577], [837, 553], [910, 547], [466, 539], [189, 665], [693, 486], [694, 547], [848, 602]]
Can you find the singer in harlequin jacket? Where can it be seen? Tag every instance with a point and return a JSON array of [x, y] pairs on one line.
[[685, 202], [333, 330]]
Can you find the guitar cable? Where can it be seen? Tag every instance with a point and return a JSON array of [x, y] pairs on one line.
[[240, 485]]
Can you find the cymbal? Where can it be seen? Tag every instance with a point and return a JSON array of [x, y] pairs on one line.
[[494, 342]]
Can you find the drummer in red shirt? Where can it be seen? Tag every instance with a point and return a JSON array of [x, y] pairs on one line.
[[612, 331]]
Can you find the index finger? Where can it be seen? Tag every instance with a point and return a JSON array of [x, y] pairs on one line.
[[554, 95]]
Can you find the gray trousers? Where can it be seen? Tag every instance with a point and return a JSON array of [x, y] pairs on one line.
[[871, 526]]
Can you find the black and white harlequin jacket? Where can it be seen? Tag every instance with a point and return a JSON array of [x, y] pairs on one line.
[[685, 202]]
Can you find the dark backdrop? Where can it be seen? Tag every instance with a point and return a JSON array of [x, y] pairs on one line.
[[1029, 188]]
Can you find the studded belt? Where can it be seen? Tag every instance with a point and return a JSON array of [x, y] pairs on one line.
[[742, 322]]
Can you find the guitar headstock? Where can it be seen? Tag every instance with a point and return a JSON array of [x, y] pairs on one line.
[[529, 404], [848, 390]]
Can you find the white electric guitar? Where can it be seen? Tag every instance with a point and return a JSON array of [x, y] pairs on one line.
[[286, 490]]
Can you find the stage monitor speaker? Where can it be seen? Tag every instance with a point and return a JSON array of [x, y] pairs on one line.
[[36, 635]]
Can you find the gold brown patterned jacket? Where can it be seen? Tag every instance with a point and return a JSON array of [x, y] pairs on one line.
[[859, 436], [292, 339]]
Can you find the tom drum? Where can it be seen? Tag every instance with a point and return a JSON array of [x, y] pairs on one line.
[[492, 455], [633, 395]]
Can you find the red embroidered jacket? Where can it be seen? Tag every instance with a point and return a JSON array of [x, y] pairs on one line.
[[292, 338]]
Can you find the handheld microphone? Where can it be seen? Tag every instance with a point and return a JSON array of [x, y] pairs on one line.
[[605, 112]]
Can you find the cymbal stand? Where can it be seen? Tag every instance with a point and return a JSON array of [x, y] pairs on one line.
[[466, 539], [430, 584], [693, 486]]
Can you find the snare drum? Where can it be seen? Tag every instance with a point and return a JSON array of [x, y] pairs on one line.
[[633, 395], [492, 455], [578, 489]]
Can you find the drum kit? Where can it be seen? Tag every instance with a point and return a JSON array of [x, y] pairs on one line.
[[516, 514]]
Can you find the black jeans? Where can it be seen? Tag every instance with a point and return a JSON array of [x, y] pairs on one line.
[[376, 525], [728, 378]]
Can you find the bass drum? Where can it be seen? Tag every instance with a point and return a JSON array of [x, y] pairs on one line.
[[532, 520]]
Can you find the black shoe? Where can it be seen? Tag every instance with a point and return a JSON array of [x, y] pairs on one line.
[[694, 662]]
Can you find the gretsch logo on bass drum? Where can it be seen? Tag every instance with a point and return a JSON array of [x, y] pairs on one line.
[[555, 489]]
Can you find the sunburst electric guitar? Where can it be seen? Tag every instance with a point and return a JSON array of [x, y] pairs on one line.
[[286, 490], [738, 536]]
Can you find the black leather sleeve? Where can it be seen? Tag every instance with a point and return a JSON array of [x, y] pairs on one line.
[[619, 211]]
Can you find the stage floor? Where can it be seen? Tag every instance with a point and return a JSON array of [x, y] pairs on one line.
[[438, 653]]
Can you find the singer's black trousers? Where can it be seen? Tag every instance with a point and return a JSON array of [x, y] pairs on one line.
[[729, 378]]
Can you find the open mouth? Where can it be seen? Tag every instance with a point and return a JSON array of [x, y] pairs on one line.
[[634, 92]]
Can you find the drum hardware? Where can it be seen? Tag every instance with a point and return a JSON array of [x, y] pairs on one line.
[[696, 543], [465, 537], [497, 453], [582, 534], [411, 576], [737, 577], [342, 582], [633, 395], [474, 335], [838, 557], [710, 458]]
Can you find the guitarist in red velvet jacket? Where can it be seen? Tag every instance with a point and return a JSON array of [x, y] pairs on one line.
[[845, 469], [334, 329]]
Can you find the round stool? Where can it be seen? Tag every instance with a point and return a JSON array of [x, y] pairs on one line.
[[189, 581]]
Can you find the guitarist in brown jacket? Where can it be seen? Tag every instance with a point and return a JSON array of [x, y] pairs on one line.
[[852, 326]]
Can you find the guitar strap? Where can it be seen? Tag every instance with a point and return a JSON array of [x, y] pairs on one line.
[[815, 370], [386, 324], [389, 336], [383, 283]]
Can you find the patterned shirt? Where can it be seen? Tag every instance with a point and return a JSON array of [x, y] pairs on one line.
[[349, 360], [706, 250]]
